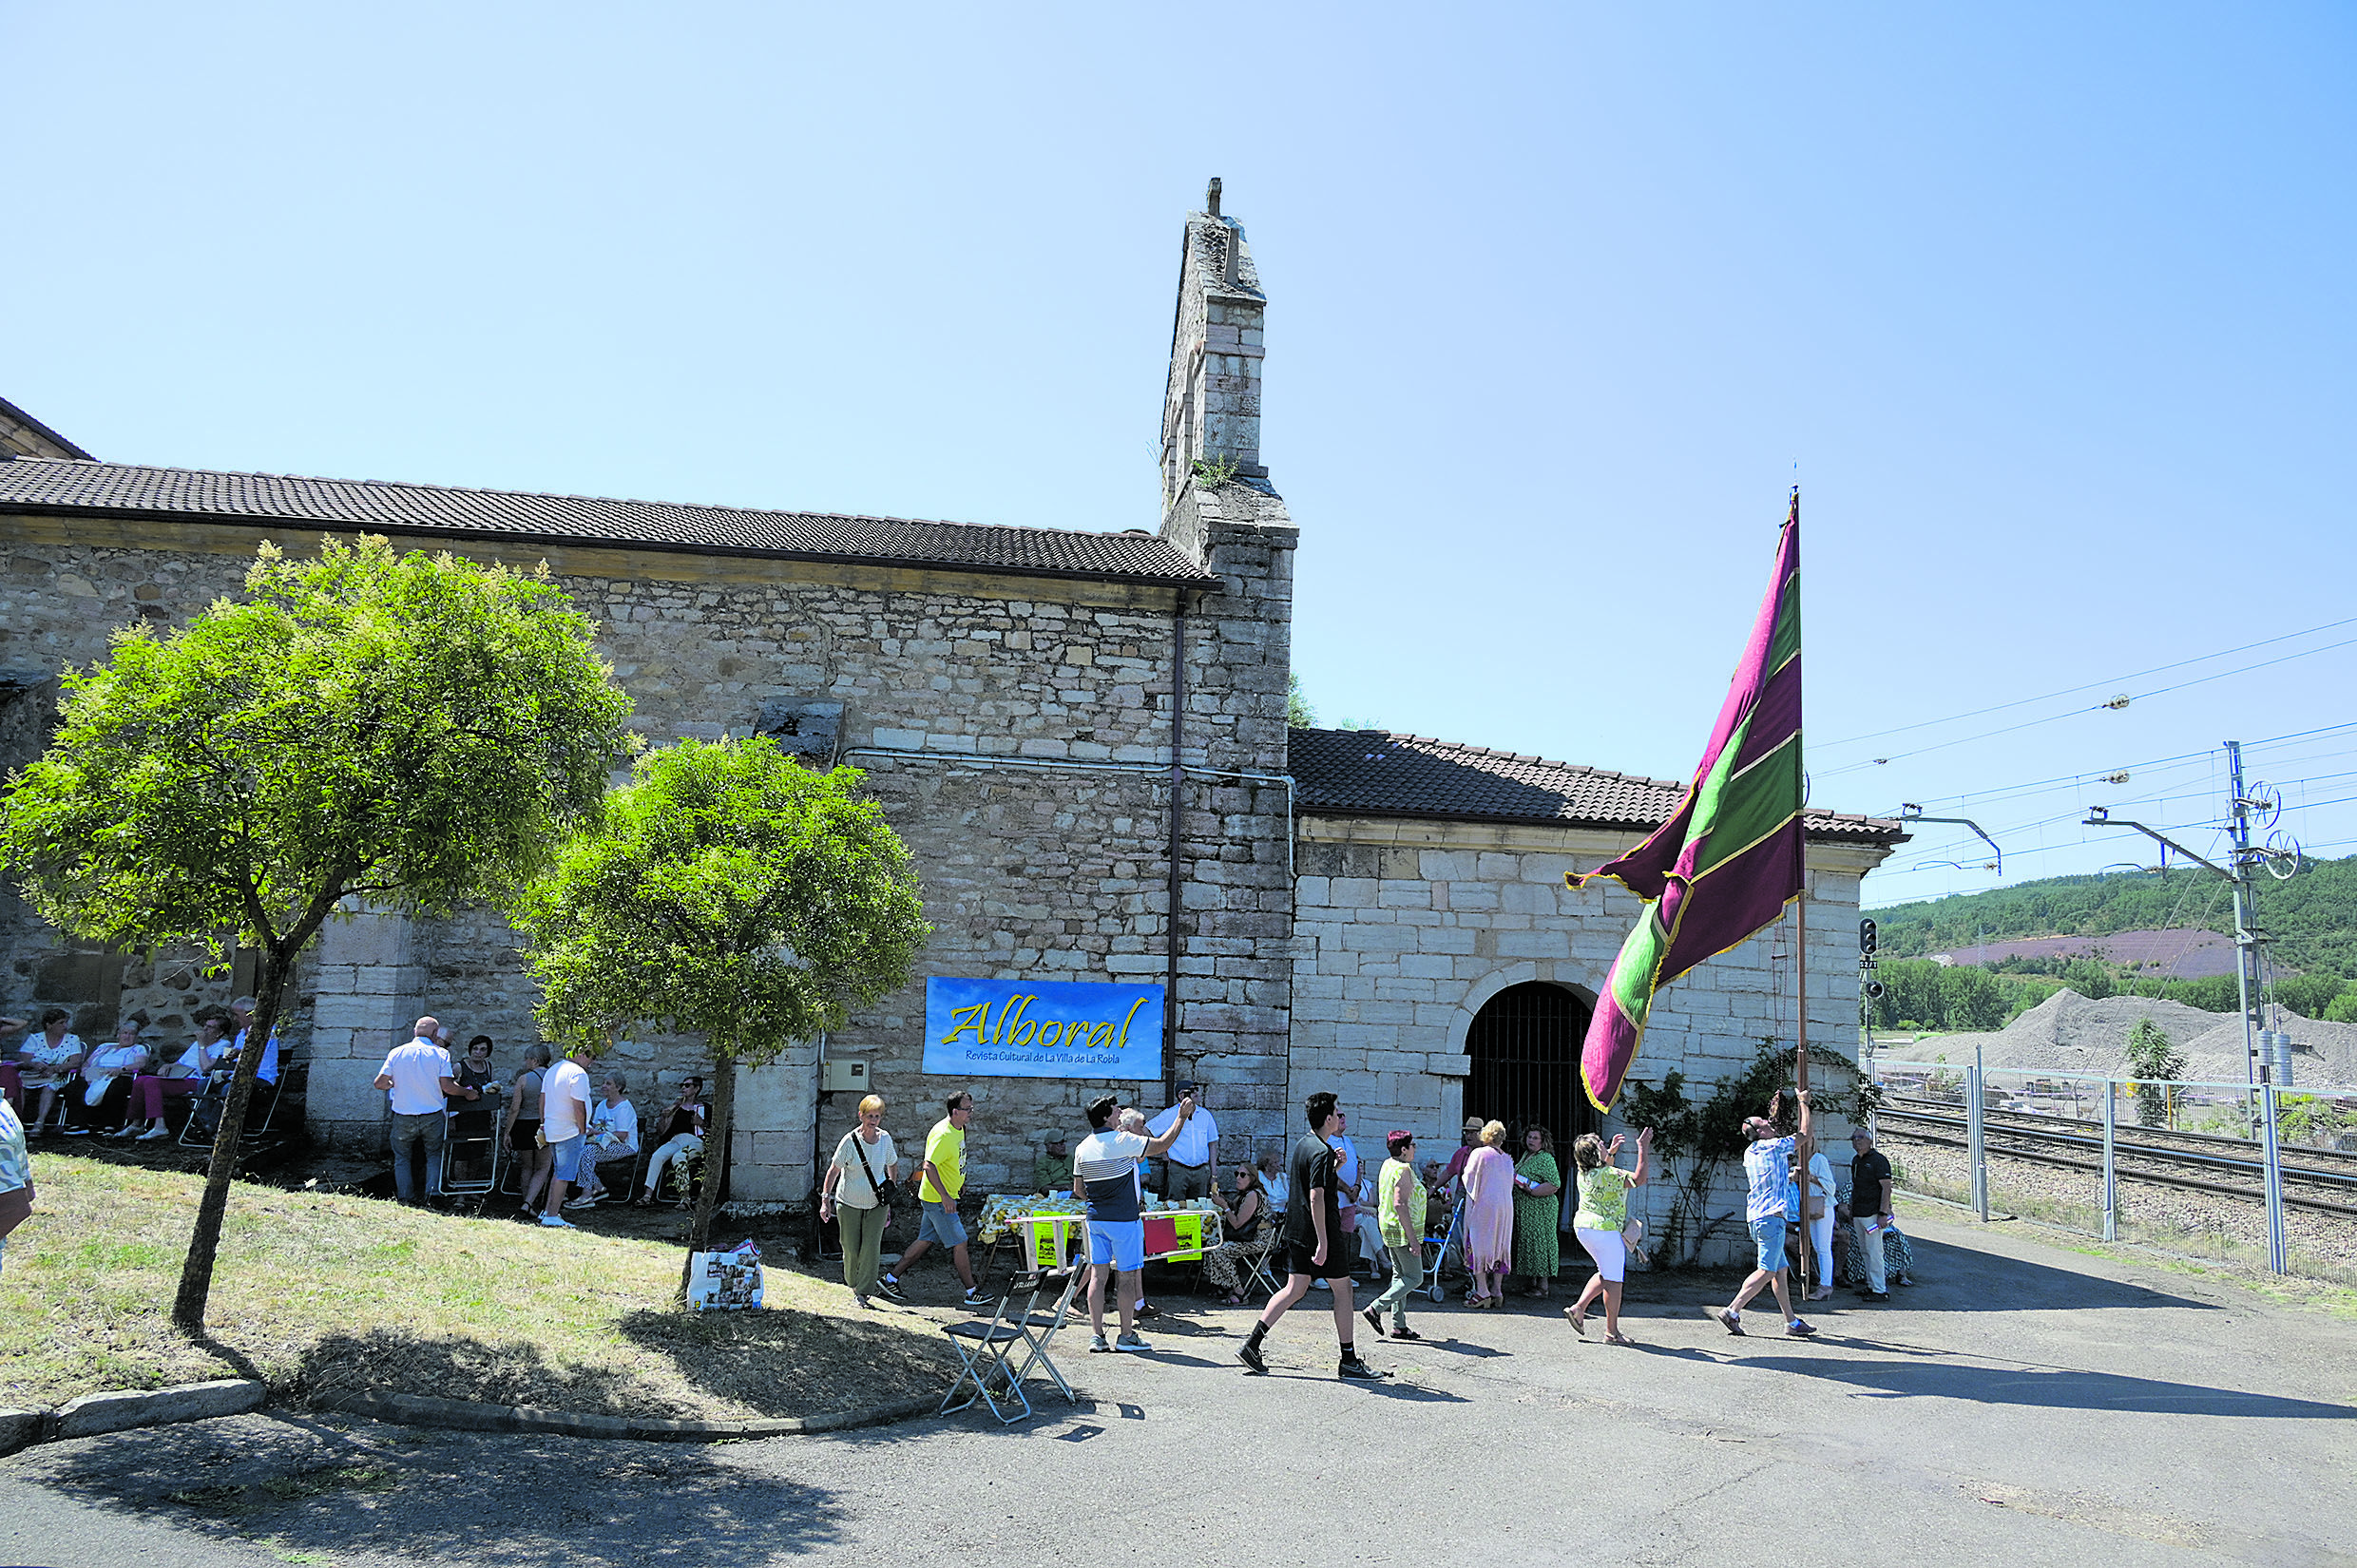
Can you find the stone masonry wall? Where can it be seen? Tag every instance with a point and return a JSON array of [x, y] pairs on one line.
[[964, 698], [1404, 930]]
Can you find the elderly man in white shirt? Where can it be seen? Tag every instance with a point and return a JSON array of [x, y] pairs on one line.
[[1191, 1169], [565, 1097], [419, 1076]]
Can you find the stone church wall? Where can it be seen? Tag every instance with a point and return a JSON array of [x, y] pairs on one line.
[[1016, 730]]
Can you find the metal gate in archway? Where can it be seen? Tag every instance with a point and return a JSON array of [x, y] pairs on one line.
[[1523, 1064]]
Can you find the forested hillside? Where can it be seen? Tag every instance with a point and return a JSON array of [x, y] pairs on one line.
[[2311, 920], [2311, 923]]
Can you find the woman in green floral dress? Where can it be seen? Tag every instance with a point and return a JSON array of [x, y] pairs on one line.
[[1536, 1182]]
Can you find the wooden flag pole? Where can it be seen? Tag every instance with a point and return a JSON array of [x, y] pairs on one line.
[[1804, 1147]]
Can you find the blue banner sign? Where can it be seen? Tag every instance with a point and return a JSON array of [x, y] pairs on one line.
[[1041, 1028]]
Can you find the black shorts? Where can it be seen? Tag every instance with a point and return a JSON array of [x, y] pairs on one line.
[[1338, 1264], [525, 1135]]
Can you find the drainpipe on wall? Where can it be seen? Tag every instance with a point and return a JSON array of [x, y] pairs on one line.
[[1177, 800]]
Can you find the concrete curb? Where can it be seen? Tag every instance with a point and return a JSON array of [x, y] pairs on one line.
[[113, 1412], [120, 1409], [468, 1416]]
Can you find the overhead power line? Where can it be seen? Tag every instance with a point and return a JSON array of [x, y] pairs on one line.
[[2073, 712], [2097, 685], [2178, 761]]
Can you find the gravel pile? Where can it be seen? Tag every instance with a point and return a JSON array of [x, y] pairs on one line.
[[2069, 1033]]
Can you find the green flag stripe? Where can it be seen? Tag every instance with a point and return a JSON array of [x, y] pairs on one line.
[[1753, 805], [1785, 643], [1640, 955], [1714, 783]]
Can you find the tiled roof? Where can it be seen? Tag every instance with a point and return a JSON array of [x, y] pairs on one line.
[[122, 490], [1374, 772]]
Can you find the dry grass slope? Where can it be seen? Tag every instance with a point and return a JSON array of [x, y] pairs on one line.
[[323, 1295]]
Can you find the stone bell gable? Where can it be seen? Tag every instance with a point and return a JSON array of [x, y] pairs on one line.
[[1210, 411]]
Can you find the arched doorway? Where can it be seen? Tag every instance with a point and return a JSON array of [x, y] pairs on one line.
[[1522, 1051]]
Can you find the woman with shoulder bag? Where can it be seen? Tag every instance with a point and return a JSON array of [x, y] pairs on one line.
[[857, 1196]]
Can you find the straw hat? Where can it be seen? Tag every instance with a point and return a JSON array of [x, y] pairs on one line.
[[1473, 1124]]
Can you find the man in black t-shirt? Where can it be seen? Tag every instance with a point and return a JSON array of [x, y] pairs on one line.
[[1313, 1242], [1870, 1207]]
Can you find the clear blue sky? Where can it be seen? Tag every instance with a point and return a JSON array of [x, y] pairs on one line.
[[2047, 309]]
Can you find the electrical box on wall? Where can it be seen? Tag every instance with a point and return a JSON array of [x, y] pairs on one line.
[[845, 1073]]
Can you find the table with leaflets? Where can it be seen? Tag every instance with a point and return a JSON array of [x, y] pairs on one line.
[[1052, 1229]]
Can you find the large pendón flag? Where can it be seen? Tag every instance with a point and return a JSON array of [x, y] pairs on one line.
[[1726, 864]]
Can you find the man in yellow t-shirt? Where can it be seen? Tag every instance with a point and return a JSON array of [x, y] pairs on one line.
[[941, 1180]]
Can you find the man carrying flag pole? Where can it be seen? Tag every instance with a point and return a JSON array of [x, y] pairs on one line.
[[1731, 857]]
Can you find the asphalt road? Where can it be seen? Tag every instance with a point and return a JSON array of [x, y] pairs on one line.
[[2024, 1405]]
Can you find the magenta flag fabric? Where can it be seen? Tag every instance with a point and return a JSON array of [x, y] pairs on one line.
[[1730, 858]]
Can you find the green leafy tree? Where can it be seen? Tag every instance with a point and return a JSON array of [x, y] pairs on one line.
[[2090, 978], [1910, 995], [412, 730], [1970, 999], [1300, 715], [2343, 1008], [2311, 995], [2153, 1056], [731, 892]]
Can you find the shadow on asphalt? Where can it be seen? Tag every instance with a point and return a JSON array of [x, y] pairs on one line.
[[311, 1492], [1962, 1280], [2052, 1388], [1951, 1279], [1932, 1376]]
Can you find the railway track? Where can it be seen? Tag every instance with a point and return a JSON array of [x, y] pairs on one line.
[[2153, 1138], [2142, 1147], [2001, 1140]]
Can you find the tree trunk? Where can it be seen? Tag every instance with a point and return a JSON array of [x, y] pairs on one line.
[[196, 1275], [719, 1128]]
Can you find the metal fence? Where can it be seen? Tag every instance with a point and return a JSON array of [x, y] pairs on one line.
[[2200, 1136]]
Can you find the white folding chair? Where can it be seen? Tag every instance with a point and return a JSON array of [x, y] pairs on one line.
[[1263, 1260], [1037, 1329], [986, 1351]]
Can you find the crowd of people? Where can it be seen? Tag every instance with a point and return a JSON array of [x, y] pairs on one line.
[[1313, 1219], [564, 1125], [55, 1083]]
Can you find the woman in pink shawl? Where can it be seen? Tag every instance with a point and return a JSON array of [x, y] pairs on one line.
[[1488, 1217]]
